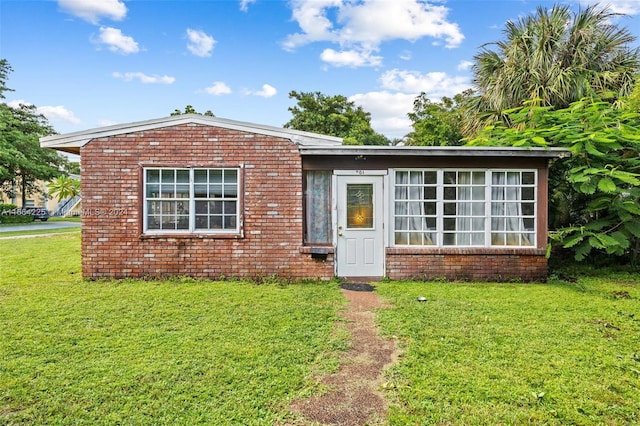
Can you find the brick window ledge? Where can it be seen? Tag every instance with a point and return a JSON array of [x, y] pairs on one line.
[[317, 250], [466, 250]]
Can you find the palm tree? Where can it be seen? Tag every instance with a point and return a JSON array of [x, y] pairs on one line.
[[64, 187], [552, 58]]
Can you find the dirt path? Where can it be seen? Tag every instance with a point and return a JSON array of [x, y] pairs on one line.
[[354, 398]]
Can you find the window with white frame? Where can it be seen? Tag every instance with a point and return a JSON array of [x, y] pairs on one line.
[[191, 200], [464, 208]]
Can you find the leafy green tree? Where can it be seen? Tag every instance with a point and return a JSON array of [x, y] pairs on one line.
[[64, 187], [333, 116], [191, 110], [552, 58], [437, 123], [596, 191], [22, 160]]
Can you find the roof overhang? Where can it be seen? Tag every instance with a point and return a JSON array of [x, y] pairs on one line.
[[72, 142], [435, 151]]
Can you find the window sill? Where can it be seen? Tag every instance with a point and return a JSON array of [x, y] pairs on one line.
[[317, 250], [400, 250], [191, 235]]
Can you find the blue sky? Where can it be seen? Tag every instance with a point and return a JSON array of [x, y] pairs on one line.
[[89, 63]]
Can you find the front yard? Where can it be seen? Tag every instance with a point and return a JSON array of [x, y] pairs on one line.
[[182, 351]]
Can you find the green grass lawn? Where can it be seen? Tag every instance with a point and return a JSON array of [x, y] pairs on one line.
[[159, 352], [234, 353], [487, 354]]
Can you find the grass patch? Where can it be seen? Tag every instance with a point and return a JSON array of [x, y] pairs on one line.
[[476, 354], [177, 351]]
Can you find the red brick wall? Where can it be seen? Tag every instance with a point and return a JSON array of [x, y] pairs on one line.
[[112, 241], [467, 264]]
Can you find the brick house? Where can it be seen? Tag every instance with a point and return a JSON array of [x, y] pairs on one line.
[[209, 197]]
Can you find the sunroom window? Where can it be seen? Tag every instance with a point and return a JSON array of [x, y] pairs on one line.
[[464, 208], [191, 200]]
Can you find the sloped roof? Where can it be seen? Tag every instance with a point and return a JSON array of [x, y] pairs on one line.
[[72, 142]]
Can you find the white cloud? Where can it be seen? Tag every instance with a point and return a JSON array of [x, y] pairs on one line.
[[364, 25], [92, 10], [405, 55], [218, 88], [144, 78], [58, 113], [244, 4], [200, 43], [350, 58], [434, 84], [390, 106], [52, 112], [117, 42], [388, 111], [626, 7], [267, 91], [464, 65]]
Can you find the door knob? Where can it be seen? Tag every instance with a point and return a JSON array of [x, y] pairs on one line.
[[339, 234]]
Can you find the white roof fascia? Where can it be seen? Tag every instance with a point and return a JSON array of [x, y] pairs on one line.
[[79, 139], [437, 151]]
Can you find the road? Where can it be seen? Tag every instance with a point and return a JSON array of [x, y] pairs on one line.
[[38, 226]]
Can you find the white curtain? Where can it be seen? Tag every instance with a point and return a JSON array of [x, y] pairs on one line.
[[409, 209], [506, 210], [463, 221]]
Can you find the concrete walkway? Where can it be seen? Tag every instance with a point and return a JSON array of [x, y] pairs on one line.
[[36, 226]]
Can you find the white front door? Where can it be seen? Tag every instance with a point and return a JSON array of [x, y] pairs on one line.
[[360, 233]]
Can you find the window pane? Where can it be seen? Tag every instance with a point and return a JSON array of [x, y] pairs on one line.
[[415, 193], [528, 209], [402, 223], [200, 191], [449, 224], [430, 177], [200, 176], [529, 224], [528, 193], [168, 176], [478, 178], [477, 209], [182, 176], [360, 205], [449, 209], [231, 191], [528, 178], [229, 222], [231, 176], [430, 209], [449, 193], [401, 238], [153, 176], [229, 207], [430, 193], [215, 176], [153, 191], [182, 191], [497, 239], [450, 178], [477, 239], [478, 193]]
